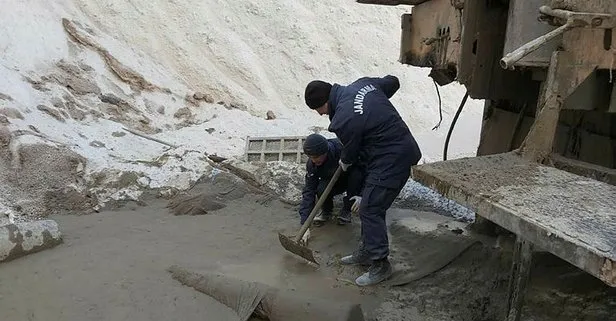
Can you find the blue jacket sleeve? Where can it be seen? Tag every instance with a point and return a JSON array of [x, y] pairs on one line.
[[308, 195], [388, 84]]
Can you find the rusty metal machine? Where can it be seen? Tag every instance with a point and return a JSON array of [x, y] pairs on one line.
[[545, 166]]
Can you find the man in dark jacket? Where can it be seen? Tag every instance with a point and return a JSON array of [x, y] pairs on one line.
[[370, 128], [324, 155]]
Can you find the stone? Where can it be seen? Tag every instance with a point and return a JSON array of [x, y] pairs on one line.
[[5, 136], [205, 97], [97, 144], [51, 112], [5, 97], [110, 99], [191, 100], [183, 112], [11, 113], [270, 115]]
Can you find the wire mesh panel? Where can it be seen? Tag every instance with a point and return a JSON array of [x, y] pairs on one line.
[[267, 149]]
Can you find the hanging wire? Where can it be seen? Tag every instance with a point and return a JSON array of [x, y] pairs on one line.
[[453, 124], [440, 106]]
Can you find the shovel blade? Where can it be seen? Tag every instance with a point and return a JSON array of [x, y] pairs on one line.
[[297, 248]]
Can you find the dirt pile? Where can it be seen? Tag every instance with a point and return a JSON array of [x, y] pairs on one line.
[[40, 179], [283, 179], [210, 194]]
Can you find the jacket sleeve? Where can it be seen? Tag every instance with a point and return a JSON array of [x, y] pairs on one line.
[[308, 194], [350, 133], [388, 84]]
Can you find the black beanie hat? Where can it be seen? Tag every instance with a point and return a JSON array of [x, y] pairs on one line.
[[317, 93], [315, 145]]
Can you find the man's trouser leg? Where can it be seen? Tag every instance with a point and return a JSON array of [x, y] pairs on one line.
[[375, 202], [328, 205]]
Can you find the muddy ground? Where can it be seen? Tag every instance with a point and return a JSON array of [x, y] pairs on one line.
[[112, 266]]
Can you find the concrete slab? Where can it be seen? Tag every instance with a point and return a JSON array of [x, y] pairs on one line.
[[571, 216]]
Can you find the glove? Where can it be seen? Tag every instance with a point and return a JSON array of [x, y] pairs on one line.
[[356, 203], [304, 240], [344, 166]]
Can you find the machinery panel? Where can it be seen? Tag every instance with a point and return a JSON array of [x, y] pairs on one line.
[[431, 37], [523, 26]]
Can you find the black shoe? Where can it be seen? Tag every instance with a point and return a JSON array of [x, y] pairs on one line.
[[378, 272], [321, 218], [358, 257], [344, 217]]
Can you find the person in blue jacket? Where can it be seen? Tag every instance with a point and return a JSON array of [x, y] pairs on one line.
[[323, 156], [370, 128]]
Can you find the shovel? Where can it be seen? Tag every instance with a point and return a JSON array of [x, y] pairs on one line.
[[293, 245]]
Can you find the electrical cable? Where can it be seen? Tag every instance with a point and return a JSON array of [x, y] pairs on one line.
[[440, 106], [453, 124]]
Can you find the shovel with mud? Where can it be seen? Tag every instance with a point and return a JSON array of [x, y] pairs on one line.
[[293, 245]]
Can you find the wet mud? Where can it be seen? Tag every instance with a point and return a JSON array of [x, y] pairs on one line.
[[113, 266]]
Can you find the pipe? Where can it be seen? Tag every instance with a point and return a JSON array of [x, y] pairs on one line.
[[558, 13], [248, 298], [20, 239], [453, 124], [511, 58]]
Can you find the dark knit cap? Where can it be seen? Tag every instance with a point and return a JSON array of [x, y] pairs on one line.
[[315, 145], [317, 93]]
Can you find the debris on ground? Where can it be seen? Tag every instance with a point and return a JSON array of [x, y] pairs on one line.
[[270, 115], [20, 239]]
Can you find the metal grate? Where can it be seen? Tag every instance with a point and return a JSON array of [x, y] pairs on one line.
[[267, 149]]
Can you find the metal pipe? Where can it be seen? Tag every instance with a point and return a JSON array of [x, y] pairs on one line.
[[511, 58], [558, 13]]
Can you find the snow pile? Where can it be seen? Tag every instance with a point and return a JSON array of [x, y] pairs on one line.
[[200, 76]]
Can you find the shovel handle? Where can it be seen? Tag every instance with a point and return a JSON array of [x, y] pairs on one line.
[[320, 202]]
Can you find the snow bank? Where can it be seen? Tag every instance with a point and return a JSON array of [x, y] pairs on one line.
[[76, 83]]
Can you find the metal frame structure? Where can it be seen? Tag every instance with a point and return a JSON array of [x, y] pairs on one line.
[[276, 148]]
